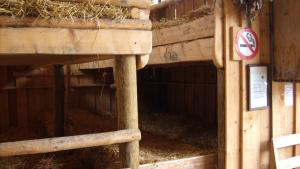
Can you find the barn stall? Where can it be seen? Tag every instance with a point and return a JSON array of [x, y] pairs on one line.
[[178, 88]]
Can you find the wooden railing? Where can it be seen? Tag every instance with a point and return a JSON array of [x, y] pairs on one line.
[[67, 143]]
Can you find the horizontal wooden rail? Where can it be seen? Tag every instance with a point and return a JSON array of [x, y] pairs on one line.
[[68, 143]]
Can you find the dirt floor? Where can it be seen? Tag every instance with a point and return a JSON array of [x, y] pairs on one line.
[[164, 137]]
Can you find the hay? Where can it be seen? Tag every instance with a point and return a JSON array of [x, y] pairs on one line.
[[192, 15], [12, 163], [55, 10], [181, 128], [48, 163]]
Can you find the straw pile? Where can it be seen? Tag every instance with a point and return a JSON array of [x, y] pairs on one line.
[[192, 15], [56, 10]]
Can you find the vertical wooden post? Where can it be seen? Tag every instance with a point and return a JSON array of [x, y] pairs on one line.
[[126, 84], [221, 118], [58, 100]]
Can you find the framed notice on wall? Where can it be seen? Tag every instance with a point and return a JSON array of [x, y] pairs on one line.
[[257, 87]]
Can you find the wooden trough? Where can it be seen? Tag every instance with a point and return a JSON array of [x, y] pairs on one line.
[[32, 41], [199, 39]]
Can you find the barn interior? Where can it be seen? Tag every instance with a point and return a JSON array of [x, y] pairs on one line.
[[134, 84], [171, 128]]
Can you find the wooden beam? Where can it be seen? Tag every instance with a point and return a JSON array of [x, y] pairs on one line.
[[7, 21], [218, 33], [199, 28], [61, 41], [141, 61], [58, 100], [199, 162], [197, 50], [98, 64], [42, 60], [126, 93], [67, 143]]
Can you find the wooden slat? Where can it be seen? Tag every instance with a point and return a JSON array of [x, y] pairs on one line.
[[170, 12], [286, 141], [201, 49], [282, 117], [179, 9], [22, 109], [188, 6], [4, 113], [199, 28], [68, 143], [72, 41], [58, 99], [289, 163], [7, 21]]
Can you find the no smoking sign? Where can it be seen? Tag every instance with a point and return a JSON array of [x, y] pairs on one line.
[[246, 44]]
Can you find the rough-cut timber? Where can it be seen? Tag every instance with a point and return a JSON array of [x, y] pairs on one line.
[[68, 143], [218, 33], [199, 28], [197, 50], [7, 21], [141, 61], [74, 41], [127, 109]]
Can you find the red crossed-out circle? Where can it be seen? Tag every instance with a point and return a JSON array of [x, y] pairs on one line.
[[240, 35]]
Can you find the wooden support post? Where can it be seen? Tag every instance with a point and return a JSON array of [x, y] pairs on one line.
[[58, 100], [221, 118], [127, 108]]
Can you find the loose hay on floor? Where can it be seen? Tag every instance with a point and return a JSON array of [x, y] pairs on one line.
[[164, 137]]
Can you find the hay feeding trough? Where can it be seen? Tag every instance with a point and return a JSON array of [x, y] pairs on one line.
[[81, 30]]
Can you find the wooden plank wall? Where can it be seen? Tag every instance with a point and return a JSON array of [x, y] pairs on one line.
[[247, 138], [181, 89], [178, 9], [286, 37], [26, 97]]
